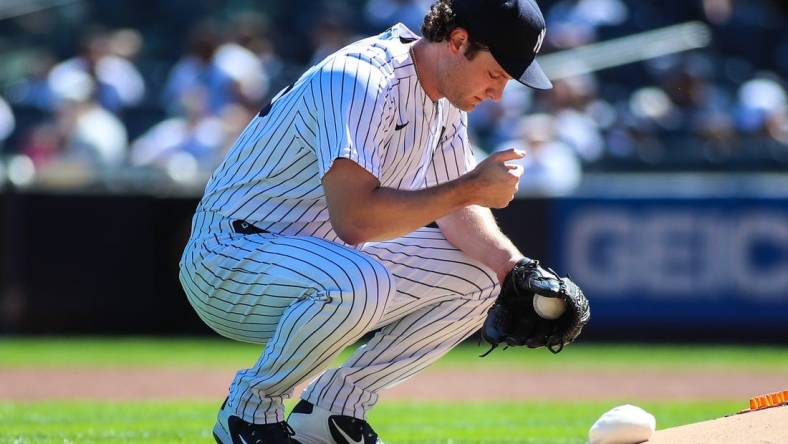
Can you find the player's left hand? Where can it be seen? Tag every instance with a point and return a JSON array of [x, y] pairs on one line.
[[512, 319]]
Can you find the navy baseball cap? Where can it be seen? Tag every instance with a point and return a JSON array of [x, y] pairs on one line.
[[512, 30]]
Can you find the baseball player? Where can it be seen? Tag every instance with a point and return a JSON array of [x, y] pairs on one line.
[[317, 227]]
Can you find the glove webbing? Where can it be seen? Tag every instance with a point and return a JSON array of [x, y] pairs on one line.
[[554, 348]]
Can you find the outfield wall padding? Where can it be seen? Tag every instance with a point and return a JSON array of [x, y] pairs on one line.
[[684, 269]]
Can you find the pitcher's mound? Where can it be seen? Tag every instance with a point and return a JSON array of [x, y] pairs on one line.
[[768, 426]]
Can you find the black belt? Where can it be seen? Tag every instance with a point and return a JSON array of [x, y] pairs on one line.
[[244, 227]]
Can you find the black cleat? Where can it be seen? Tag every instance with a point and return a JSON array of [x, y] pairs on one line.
[[230, 429], [315, 425]]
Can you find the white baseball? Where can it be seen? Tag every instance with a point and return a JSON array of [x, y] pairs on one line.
[[549, 308]]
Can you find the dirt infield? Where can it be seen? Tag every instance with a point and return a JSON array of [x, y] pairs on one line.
[[764, 427], [433, 384], [768, 426]]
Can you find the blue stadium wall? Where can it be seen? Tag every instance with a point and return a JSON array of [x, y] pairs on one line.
[[678, 269], [662, 269]]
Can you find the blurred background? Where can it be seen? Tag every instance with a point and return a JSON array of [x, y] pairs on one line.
[[657, 173]]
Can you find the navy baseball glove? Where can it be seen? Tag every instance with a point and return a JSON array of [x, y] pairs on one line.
[[513, 321]]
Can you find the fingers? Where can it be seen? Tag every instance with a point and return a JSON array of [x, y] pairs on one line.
[[498, 181], [510, 154], [515, 170]]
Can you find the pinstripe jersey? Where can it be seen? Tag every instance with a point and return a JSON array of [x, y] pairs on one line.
[[363, 103]]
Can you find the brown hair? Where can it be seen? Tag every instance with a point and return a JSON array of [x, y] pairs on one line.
[[440, 21]]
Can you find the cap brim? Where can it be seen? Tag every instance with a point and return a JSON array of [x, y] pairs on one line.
[[535, 77]]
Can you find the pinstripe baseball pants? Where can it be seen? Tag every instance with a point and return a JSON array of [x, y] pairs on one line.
[[307, 298]]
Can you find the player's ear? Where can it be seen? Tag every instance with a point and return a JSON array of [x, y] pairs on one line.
[[457, 40]]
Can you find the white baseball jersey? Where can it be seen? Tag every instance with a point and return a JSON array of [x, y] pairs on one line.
[[362, 103], [297, 288]]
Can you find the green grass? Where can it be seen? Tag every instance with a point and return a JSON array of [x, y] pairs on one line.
[[397, 422], [157, 352], [190, 422]]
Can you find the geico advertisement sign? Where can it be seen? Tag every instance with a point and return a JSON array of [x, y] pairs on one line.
[[665, 253]]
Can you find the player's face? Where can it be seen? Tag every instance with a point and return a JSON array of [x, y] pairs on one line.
[[466, 83]]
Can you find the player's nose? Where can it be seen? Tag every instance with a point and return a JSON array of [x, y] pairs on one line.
[[495, 92]]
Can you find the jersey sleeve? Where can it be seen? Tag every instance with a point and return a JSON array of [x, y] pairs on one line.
[[353, 113], [453, 156]]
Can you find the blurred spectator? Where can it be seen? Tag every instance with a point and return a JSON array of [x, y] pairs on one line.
[[93, 136], [7, 122], [195, 141], [580, 115], [245, 69], [119, 83], [84, 132], [330, 33], [383, 13], [125, 43], [575, 22], [43, 144], [33, 90], [652, 108], [197, 78], [759, 101], [494, 122], [746, 28], [762, 113], [708, 108], [704, 108], [581, 133], [552, 168], [718, 12], [251, 31]]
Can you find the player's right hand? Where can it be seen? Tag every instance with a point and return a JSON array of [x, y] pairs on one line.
[[495, 182]]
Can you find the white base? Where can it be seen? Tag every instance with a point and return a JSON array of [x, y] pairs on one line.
[[625, 424]]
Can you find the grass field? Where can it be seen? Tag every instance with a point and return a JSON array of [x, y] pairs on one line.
[[189, 422], [562, 421], [217, 352]]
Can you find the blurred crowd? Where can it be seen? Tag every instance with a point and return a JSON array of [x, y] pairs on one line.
[[98, 87]]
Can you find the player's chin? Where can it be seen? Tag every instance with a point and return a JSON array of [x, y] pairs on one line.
[[469, 105], [473, 102], [465, 103]]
